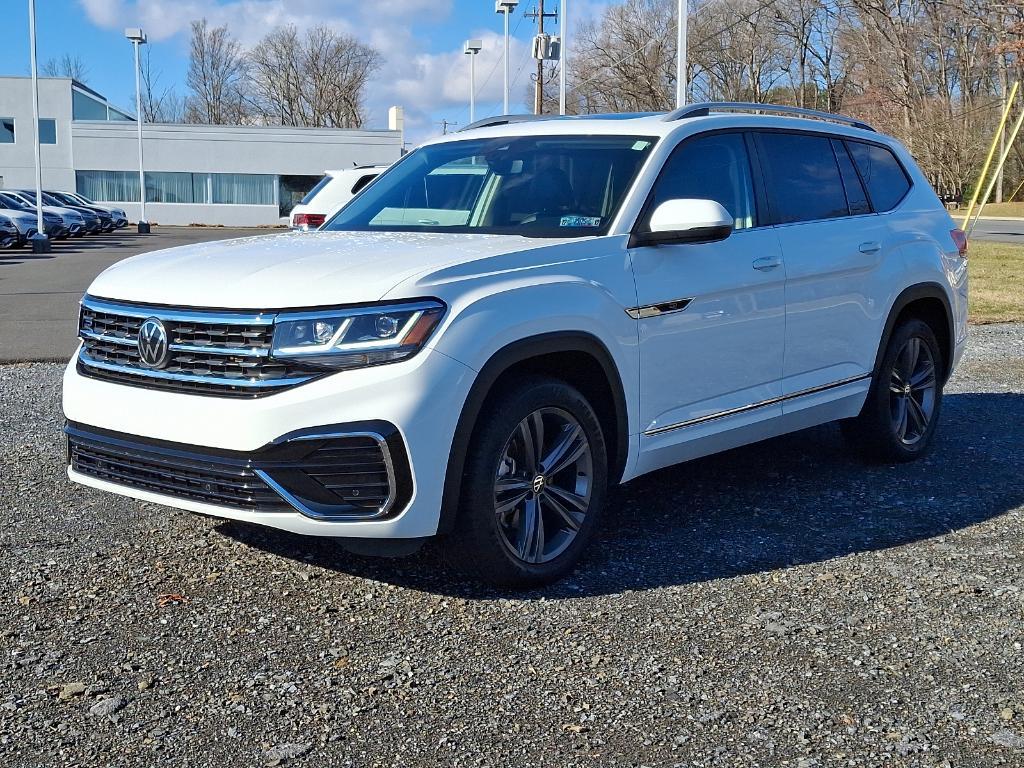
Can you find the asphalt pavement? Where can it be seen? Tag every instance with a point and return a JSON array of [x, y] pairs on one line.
[[999, 230], [39, 294]]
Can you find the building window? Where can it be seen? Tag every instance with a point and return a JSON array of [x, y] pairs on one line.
[[167, 187], [47, 131], [111, 186], [179, 187], [85, 107], [243, 188], [6, 130]]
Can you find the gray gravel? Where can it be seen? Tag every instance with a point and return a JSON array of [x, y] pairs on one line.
[[780, 605]]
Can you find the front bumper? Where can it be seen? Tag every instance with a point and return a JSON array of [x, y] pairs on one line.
[[420, 397]]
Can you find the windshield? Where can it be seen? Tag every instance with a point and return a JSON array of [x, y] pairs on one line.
[[10, 201], [538, 186]]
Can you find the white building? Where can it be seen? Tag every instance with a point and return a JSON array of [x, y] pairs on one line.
[[195, 174]]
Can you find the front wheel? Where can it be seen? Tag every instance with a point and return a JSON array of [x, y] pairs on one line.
[[534, 486], [899, 416]]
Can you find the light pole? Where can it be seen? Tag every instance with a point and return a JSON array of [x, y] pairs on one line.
[[505, 7], [563, 54], [40, 240], [471, 49], [681, 54], [138, 37]]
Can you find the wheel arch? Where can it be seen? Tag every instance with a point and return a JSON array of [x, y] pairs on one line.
[[930, 303], [537, 354]]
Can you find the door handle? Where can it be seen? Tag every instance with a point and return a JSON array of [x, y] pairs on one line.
[[765, 263], [870, 247]]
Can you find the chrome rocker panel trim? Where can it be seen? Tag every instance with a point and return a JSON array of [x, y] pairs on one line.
[[754, 406]]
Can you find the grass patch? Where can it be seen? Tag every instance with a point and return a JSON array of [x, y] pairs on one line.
[[996, 282], [1011, 210]]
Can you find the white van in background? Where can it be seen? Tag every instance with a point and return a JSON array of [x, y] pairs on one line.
[[332, 191]]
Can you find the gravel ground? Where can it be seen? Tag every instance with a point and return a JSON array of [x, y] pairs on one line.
[[779, 605]]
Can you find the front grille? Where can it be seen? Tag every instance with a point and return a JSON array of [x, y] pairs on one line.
[[197, 479], [226, 354], [361, 474]]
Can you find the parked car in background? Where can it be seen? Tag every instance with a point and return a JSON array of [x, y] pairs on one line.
[[110, 218], [481, 355], [332, 192], [73, 221], [91, 224], [24, 221], [118, 214], [54, 224], [10, 236]]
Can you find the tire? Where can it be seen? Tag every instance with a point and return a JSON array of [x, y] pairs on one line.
[[497, 547], [898, 420]]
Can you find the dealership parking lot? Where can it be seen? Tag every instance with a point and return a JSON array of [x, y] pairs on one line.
[[778, 605], [39, 293]]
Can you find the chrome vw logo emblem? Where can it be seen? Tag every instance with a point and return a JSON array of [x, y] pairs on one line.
[[153, 347]]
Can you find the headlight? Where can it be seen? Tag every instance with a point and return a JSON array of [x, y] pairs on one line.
[[353, 338]]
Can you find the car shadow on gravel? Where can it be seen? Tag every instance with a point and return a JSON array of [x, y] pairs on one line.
[[801, 498]]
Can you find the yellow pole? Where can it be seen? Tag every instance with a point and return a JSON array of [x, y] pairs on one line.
[[999, 165], [991, 154], [1015, 192]]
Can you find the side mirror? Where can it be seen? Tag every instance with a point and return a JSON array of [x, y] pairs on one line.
[[685, 220]]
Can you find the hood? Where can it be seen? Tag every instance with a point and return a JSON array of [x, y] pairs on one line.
[[293, 269], [62, 211], [22, 220]]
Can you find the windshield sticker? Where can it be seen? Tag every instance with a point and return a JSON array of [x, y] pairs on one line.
[[580, 221], [638, 145]]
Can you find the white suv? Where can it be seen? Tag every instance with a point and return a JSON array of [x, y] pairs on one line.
[[330, 193], [515, 317]]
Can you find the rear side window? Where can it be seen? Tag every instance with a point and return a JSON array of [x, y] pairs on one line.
[[882, 173], [714, 167], [855, 194], [802, 176], [312, 193], [362, 182]]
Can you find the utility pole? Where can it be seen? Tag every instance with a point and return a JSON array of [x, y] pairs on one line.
[[445, 125], [538, 94]]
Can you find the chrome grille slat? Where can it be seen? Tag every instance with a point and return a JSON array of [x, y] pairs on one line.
[[216, 352]]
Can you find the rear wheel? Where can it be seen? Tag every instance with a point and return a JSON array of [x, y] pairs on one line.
[[899, 417], [534, 486]]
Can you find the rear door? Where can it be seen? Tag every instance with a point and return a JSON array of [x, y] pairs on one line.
[[835, 249]]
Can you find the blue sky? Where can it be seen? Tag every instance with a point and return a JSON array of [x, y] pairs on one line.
[[421, 41]]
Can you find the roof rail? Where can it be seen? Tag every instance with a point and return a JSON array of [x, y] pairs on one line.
[[706, 108], [487, 122]]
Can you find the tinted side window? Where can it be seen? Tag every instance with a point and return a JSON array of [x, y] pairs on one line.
[[882, 172], [855, 194], [712, 167], [802, 177]]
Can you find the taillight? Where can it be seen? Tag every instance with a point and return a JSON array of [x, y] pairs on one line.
[[960, 239], [311, 220]]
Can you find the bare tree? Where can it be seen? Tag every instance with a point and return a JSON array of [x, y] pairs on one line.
[[159, 105], [216, 77], [67, 66], [316, 79]]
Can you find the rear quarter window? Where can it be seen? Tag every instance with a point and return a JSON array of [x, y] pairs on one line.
[[883, 175]]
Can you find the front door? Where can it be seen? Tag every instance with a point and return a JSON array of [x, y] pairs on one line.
[[711, 315]]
